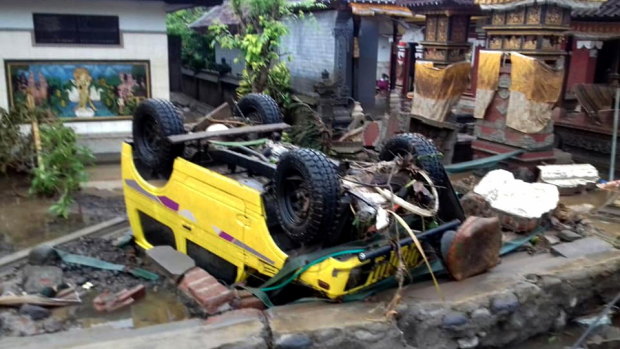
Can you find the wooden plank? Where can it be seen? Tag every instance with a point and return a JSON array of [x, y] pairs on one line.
[[230, 132], [220, 113]]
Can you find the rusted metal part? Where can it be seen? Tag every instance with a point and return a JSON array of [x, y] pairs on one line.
[[219, 114], [230, 132], [475, 247], [109, 302]]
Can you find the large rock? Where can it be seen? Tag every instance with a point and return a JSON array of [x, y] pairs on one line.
[[17, 325], [35, 312], [42, 254], [36, 277], [568, 235], [475, 247]]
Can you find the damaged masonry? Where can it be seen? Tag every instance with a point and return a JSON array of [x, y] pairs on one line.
[[428, 207]]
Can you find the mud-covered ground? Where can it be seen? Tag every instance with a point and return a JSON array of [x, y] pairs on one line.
[[25, 220], [161, 304]]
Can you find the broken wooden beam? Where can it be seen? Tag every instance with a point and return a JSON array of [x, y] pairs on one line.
[[219, 114]]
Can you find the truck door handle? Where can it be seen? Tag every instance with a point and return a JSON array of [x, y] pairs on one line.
[[187, 227]]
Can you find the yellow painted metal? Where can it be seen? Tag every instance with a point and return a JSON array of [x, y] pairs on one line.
[[210, 203]]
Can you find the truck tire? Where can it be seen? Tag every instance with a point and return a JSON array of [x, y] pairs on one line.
[[308, 196], [259, 108], [153, 121], [428, 159]]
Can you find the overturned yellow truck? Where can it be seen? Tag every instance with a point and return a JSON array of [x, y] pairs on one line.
[[248, 207]]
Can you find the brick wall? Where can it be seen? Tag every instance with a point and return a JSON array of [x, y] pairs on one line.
[[311, 46]]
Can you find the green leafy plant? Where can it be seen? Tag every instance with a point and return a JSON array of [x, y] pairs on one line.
[[62, 168], [16, 146], [261, 29], [196, 49]]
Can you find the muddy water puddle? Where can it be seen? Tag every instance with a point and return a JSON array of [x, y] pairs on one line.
[[25, 220], [157, 307], [597, 198]]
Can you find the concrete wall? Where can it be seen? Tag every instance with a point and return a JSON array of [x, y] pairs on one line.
[[384, 53], [230, 55], [383, 56], [367, 61], [143, 37], [311, 46], [209, 87], [308, 49]]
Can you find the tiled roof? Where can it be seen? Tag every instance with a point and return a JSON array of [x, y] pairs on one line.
[[428, 3], [222, 14], [608, 10]]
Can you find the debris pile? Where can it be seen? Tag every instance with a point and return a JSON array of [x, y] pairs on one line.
[[66, 278]]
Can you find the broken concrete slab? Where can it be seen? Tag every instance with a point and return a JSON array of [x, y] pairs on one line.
[[583, 247], [518, 204], [173, 262], [569, 179]]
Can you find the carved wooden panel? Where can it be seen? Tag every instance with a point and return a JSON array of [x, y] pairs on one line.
[[553, 15], [498, 18], [529, 43], [550, 43], [431, 28], [442, 29], [516, 17], [566, 17], [459, 29], [455, 55], [434, 54], [495, 43], [533, 15], [512, 43]]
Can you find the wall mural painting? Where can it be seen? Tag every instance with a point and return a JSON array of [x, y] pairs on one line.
[[81, 90]]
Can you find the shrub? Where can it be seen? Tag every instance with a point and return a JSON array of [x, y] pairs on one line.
[[62, 168]]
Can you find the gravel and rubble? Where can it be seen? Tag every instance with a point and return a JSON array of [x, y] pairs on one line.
[[27, 278], [522, 297]]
